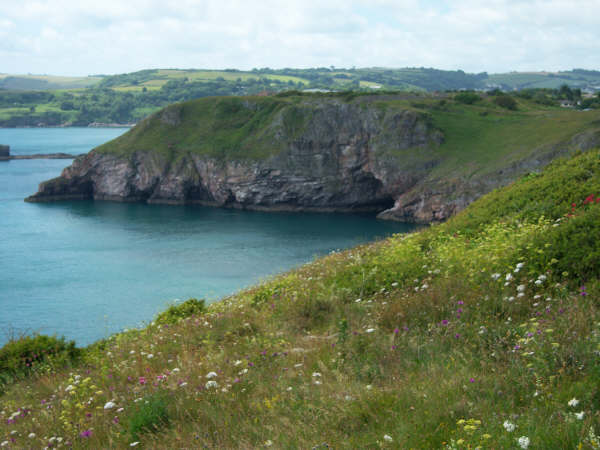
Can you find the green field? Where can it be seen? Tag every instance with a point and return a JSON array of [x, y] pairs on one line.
[[45, 82]]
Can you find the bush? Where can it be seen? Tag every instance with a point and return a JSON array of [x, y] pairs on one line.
[[20, 356], [506, 101], [468, 98], [149, 415], [175, 313], [572, 247]]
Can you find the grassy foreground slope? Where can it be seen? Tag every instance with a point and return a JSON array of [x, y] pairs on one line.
[[480, 332]]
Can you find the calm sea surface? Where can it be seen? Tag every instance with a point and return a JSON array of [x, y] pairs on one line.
[[87, 269]]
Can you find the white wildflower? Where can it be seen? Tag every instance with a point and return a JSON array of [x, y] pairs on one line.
[[370, 330], [69, 388], [237, 363], [573, 402], [268, 443], [580, 415], [31, 435], [4, 444], [183, 384], [508, 277], [538, 282], [211, 375], [521, 288], [542, 277], [316, 374], [109, 405], [523, 442], [495, 276], [317, 382], [211, 384], [289, 388], [133, 444], [120, 410], [132, 352], [298, 365], [388, 438], [175, 370], [149, 356], [509, 426], [369, 387], [520, 265]]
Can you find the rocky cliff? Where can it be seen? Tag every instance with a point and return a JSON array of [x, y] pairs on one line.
[[297, 154]]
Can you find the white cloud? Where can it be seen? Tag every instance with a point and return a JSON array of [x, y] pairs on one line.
[[113, 36]]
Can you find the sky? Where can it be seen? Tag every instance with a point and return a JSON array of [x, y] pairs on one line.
[[84, 37]]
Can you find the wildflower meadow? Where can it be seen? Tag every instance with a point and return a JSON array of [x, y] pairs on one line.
[[482, 332]]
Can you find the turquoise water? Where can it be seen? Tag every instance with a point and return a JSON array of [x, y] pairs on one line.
[[87, 269]]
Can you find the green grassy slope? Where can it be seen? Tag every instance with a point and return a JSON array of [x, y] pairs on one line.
[[479, 138], [219, 127], [480, 332]]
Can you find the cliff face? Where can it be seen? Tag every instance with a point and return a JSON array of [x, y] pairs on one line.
[[316, 155]]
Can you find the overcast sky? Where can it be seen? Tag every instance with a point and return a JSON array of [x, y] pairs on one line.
[[82, 37]]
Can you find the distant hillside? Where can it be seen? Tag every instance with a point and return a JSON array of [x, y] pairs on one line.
[[127, 98], [44, 82]]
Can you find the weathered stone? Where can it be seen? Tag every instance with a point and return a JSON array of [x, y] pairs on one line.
[[4, 151]]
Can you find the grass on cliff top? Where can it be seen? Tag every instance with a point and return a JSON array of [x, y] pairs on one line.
[[483, 137], [483, 332], [478, 139]]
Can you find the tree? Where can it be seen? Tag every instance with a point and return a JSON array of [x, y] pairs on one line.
[[506, 101], [565, 92]]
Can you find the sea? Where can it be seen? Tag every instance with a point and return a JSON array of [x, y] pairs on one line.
[[85, 270]]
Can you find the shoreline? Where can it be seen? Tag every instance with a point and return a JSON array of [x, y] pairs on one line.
[[39, 156]]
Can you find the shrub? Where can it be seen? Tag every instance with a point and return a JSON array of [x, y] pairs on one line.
[[468, 98], [175, 313], [573, 247], [506, 101], [149, 415], [21, 355]]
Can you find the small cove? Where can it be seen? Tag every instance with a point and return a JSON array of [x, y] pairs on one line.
[[88, 269]]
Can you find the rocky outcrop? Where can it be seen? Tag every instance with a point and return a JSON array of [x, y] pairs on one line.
[[4, 152], [333, 156]]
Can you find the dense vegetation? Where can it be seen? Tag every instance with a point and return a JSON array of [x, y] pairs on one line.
[[127, 98], [480, 332]]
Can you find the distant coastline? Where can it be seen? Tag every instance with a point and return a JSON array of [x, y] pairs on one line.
[[39, 156]]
